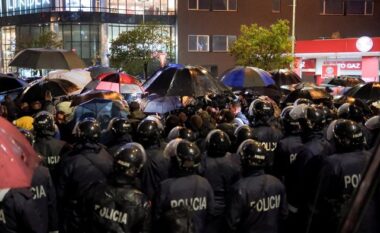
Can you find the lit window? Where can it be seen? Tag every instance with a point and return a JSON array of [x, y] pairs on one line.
[[359, 7], [222, 43], [199, 4], [332, 7], [199, 43], [224, 5], [276, 6]]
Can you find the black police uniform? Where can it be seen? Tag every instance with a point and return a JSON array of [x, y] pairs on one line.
[[18, 212], [338, 178], [193, 191], [86, 164], [117, 142], [44, 196], [116, 208], [51, 150], [257, 204], [155, 170]]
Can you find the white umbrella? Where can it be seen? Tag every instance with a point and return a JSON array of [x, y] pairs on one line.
[[79, 77]]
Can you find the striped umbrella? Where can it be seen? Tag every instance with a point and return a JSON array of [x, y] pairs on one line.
[[247, 77]]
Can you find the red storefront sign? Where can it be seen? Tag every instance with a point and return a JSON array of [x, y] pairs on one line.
[[329, 71], [346, 65]]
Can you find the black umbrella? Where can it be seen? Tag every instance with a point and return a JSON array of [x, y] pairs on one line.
[[10, 83], [195, 81], [317, 95], [57, 87], [285, 77], [160, 81], [368, 92], [44, 58], [344, 81], [95, 71]]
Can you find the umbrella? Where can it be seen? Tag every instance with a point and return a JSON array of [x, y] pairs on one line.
[[314, 94], [95, 94], [368, 92], [101, 109], [285, 77], [247, 77], [57, 87], [45, 58], [79, 77], [195, 81], [163, 105], [160, 81], [344, 81], [10, 83], [95, 71], [117, 82], [17, 157]]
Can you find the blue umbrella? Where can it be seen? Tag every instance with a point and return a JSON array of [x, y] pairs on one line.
[[247, 77], [160, 81], [163, 105]]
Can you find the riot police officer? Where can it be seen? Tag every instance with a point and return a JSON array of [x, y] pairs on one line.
[[339, 176], [185, 188], [373, 125], [156, 169], [87, 163], [181, 132], [50, 148], [258, 201], [120, 129], [119, 205]]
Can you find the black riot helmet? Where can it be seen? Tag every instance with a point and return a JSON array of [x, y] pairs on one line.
[[302, 101], [243, 133], [148, 132], [252, 155], [128, 161], [43, 123], [88, 130], [291, 126], [347, 135], [261, 110], [352, 112], [217, 143], [310, 117], [181, 132], [184, 156], [119, 126], [330, 114], [29, 135]]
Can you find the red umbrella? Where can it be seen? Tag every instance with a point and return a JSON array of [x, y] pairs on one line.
[[17, 157], [119, 82]]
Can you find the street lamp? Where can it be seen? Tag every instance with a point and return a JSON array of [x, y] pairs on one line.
[[293, 30], [143, 1]]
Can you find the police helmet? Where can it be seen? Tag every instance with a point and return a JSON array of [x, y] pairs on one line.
[[252, 154], [302, 101], [44, 123], [188, 155], [330, 114], [290, 125], [88, 130], [181, 132], [243, 133], [119, 126], [348, 135], [148, 131], [129, 159], [217, 143], [29, 135], [261, 110], [310, 117], [352, 112]]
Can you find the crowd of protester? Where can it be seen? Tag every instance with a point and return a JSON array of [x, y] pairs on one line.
[[220, 164]]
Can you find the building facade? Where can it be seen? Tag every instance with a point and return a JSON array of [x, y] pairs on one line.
[[85, 26], [206, 28]]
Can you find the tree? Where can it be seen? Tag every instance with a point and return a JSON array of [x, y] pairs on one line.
[[133, 50], [266, 48], [47, 39]]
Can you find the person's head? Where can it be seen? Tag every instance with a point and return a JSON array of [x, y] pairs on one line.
[[43, 124], [134, 106], [261, 110], [235, 107], [347, 135], [119, 126], [300, 101], [351, 111], [36, 105], [290, 125], [218, 143], [310, 118], [148, 132], [88, 130], [181, 132], [196, 122], [60, 117], [243, 133], [128, 162], [253, 155]]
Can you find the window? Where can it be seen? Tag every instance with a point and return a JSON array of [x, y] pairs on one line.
[[276, 6], [199, 4], [332, 7], [359, 7], [224, 5], [222, 43], [198, 43]]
